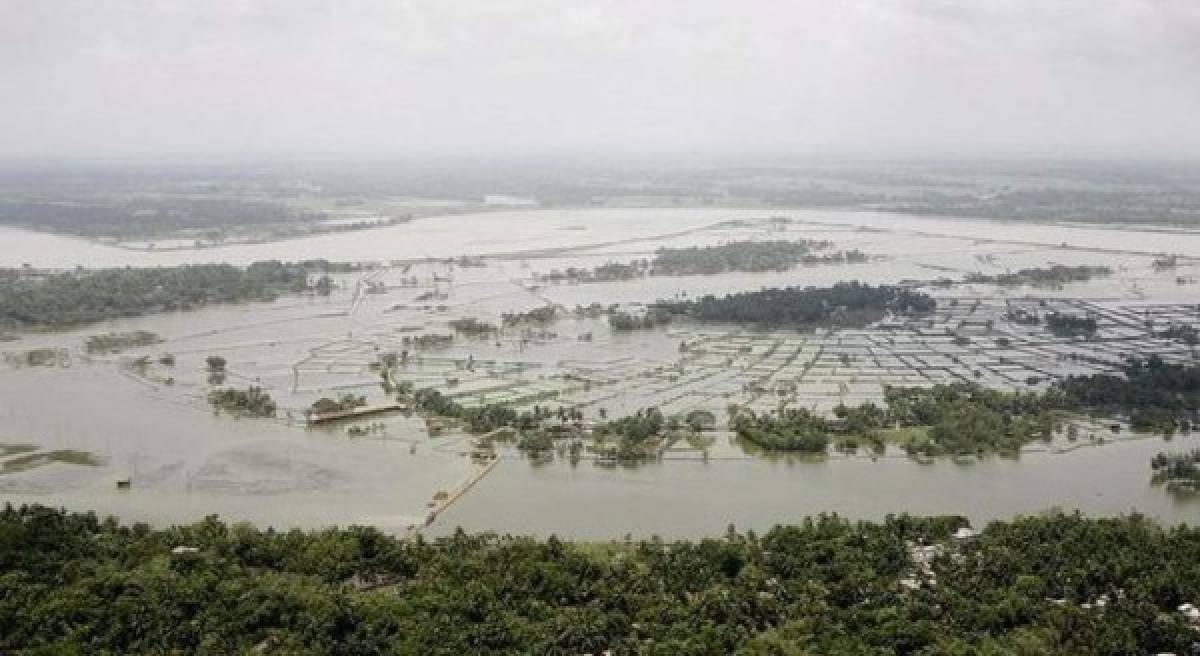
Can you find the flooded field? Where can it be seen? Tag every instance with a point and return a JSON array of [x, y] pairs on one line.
[[148, 423]]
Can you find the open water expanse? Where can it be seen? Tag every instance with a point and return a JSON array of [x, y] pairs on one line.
[[185, 462]]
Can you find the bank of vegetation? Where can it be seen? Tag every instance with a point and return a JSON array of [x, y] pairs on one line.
[[1067, 325], [735, 256], [1055, 584], [622, 321], [1051, 276], [250, 402], [118, 342], [204, 220], [344, 403], [485, 418], [148, 215], [1179, 472], [472, 327], [845, 304], [969, 419], [57, 300], [751, 256]]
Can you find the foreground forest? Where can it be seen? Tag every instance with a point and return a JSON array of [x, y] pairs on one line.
[[1058, 584]]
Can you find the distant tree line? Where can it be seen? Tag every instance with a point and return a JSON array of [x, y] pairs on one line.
[[1174, 206], [117, 342], [147, 216], [1045, 276], [85, 296], [745, 256], [753, 256]]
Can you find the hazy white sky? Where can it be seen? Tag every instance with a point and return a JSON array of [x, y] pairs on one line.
[[397, 77]]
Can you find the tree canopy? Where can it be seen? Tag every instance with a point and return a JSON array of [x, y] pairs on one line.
[[1056, 584]]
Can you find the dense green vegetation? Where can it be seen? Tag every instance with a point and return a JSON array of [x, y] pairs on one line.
[[960, 419], [635, 437], [793, 429], [472, 327], [1057, 584], [843, 304], [1179, 471], [1153, 394], [621, 321], [537, 316], [748, 256], [145, 216], [328, 406], [66, 299], [779, 255], [250, 402], [117, 342], [1065, 325], [1047, 276], [486, 418], [968, 419]]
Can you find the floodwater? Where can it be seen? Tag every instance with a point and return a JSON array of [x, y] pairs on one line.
[[187, 463], [537, 229], [693, 498]]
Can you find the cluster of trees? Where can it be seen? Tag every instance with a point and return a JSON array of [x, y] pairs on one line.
[[843, 304], [74, 583], [1046, 276], [427, 341], [473, 327], [755, 256], [643, 434], [751, 256], [653, 317], [966, 418], [66, 299], [1149, 206], [250, 402], [793, 429], [345, 402], [1155, 395], [607, 272], [117, 342], [1066, 325], [641, 425], [1180, 471], [537, 316], [489, 417]]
